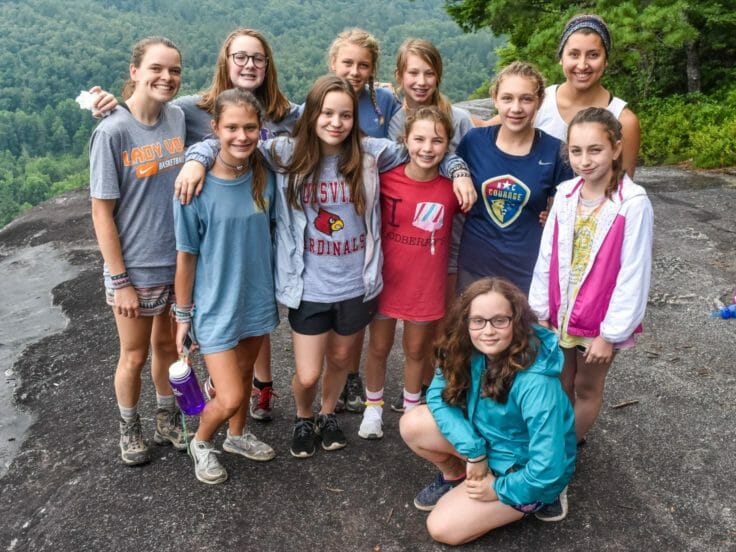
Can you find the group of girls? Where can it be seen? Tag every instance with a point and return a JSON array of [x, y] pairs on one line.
[[362, 234]]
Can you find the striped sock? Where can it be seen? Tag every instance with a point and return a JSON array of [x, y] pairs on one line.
[[374, 398], [411, 400]]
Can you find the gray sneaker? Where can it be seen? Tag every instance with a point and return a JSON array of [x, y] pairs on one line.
[[354, 394], [170, 429], [133, 449], [249, 446], [557, 511], [207, 467]]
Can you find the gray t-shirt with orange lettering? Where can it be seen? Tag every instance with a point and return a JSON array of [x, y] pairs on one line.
[[136, 165]]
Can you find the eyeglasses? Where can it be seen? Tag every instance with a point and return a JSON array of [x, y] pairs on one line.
[[498, 322], [241, 59]]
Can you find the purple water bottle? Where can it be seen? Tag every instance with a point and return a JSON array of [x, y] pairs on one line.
[[186, 388]]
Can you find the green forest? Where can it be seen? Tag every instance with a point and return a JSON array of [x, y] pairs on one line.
[[50, 50], [672, 60]]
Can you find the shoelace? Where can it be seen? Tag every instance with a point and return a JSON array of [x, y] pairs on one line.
[[303, 428], [355, 387], [266, 398], [134, 434], [210, 461], [331, 422]]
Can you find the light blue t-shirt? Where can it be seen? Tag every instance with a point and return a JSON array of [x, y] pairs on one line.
[[233, 285]]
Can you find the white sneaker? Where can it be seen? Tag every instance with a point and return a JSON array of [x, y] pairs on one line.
[[207, 467], [371, 426], [248, 445]]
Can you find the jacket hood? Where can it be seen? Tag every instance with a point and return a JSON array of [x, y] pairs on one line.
[[549, 357]]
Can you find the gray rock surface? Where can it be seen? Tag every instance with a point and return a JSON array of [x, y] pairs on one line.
[[655, 475]]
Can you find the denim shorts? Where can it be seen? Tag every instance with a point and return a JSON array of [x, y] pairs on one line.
[[526, 509]]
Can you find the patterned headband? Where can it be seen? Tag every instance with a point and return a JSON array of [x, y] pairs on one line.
[[586, 22]]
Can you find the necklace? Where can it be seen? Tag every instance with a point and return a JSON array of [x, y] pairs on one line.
[[237, 169]]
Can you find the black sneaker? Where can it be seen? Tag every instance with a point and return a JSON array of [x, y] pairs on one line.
[[329, 431], [398, 403], [302, 440], [354, 394], [557, 511], [428, 497]]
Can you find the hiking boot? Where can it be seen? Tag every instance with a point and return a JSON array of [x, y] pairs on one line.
[[133, 449], [207, 467], [398, 403], [371, 426], [327, 429], [302, 440], [354, 394], [261, 403], [428, 497], [170, 429], [557, 511], [248, 445], [209, 389]]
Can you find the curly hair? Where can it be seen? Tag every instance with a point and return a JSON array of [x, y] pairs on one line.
[[455, 347]]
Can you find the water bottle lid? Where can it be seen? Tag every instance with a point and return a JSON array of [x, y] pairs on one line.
[[179, 370]]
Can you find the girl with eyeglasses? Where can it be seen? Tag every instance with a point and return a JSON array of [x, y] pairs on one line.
[[497, 424]]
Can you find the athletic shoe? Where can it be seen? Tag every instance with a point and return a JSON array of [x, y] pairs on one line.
[[302, 440], [398, 404], [328, 429], [428, 497], [371, 425], [557, 511], [207, 467], [248, 445], [354, 394], [209, 389], [133, 449], [170, 429], [261, 403]]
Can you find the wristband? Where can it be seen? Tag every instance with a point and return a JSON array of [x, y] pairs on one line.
[[476, 460], [460, 173], [120, 281], [183, 313]]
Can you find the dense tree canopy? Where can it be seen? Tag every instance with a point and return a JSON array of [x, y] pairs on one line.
[[661, 47], [52, 49]]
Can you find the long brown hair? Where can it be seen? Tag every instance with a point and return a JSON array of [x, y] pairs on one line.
[[427, 52], [136, 57], [455, 348], [275, 103], [612, 126], [238, 97], [366, 40], [307, 157]]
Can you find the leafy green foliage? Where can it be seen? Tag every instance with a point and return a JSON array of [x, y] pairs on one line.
[[694, 128]]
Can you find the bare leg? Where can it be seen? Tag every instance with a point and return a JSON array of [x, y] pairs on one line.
[[263, 362], [309, 354], [458, 519], [590, 380], [417, 348], [340, 353], [163, 351], [380, 342], [246, 352], [135, 337], [421, 434]]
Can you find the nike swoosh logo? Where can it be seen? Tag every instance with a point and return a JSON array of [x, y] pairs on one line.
[[543, 163]]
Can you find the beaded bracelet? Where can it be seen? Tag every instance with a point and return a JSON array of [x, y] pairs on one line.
[[120, 281], [460, 173], [183, 313]]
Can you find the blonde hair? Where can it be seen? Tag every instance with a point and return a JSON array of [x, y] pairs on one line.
[[275, 103], [519, 69], [363, 39], [427, 52], [136, 58]]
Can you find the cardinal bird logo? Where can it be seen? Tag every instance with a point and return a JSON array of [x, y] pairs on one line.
[[327, 222]]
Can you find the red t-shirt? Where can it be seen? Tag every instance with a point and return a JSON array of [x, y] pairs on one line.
[[416, 227]]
